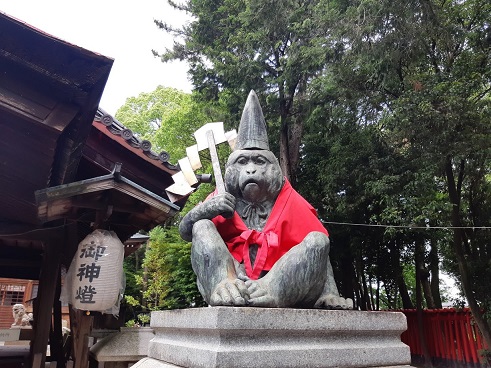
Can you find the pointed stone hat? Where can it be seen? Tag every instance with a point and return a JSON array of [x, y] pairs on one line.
[[252, 128]]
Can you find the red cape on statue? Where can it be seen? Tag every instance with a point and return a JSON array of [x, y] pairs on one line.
[[291, 219]]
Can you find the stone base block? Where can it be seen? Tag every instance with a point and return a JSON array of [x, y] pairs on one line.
[[130, 344], [228, 337], [153, 363]]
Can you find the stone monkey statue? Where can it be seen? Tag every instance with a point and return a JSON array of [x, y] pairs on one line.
[[259, 244]]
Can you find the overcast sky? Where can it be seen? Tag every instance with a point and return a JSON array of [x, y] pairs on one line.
[[121, 30]]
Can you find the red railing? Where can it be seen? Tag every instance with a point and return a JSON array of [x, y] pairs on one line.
[[451, 336]]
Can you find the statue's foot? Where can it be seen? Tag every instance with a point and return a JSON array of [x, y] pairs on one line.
[[259, 295], [331, 301], [230, 293]]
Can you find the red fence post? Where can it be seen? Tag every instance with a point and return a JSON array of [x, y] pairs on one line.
[[451, 335], [439, 334], [465, 338], [471, 337]]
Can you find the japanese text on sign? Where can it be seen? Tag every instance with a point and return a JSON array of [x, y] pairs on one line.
[[89, 271]]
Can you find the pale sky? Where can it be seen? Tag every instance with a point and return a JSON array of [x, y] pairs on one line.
[[121, 30]]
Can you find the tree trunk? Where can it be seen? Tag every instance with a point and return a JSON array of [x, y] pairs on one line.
[[406, 299], [291, 134], [419, 259], [359, 285], [435, 275], [365, 290], [377, 294], [362, 284], [372, 297], [144, 301], [425, 283], [357, 290], [399, 278], [347, 276], [296, 128], [284, 149], [424, 276], [455, 192], [389, 297], [377, 275]]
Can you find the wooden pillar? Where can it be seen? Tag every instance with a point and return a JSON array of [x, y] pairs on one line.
[[81, 326], [44, 302], [56, 335]]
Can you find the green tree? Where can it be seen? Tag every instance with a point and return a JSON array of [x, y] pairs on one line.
[[167, 118], [133, 296], [273, 47], [392, 101], [172, 283], [420, 72], [352, 176]]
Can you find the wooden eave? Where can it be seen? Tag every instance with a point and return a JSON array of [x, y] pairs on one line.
[[51, 137], [112, 199], [49, 94], [134, 243]]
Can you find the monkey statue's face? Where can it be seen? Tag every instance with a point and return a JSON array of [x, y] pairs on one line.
[[253, 175]]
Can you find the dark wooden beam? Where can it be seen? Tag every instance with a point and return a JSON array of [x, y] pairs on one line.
[[56, 335], [137, 207], [43, 304], [36, 234], [81, 324], [19, 263]]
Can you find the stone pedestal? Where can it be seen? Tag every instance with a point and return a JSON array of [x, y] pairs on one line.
[[119, 349], [227, 337]]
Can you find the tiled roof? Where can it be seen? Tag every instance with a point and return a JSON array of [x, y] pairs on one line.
[[116, 128]]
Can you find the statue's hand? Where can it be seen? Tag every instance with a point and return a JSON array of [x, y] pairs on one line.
[[331, 301], [230, 293], [221, 204]]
